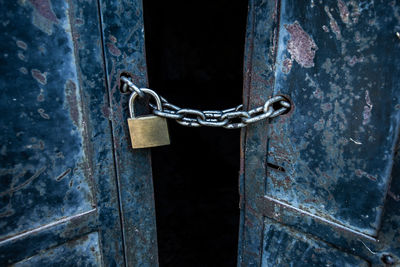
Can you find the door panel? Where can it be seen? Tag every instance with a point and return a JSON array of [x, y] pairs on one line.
[[337, 145], [123, 32], [33, 161], [59, 182], [325, 168]]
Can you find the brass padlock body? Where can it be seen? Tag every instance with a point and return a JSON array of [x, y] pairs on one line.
[[148, 131]]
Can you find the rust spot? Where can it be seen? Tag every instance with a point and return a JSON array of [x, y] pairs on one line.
[[22, 45], [43, 7], [300, 45], [70, 92], [39, 76], [343, 11], [318, 94], [287, 65], [353, 60], [79, 22], [113, 49], [62, 175], [333, 24], [113, 39]]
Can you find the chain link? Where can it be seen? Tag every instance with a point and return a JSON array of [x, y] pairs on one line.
[[232, 118]]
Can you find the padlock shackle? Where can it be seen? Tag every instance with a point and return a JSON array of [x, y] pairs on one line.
[[146, 91]]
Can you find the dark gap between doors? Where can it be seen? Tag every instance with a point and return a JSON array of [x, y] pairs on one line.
[[194, 52]]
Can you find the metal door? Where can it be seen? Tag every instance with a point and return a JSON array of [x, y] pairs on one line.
[[320, 185], [72, 192]]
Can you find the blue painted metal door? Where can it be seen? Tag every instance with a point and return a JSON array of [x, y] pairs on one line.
[[320, 185], [72, 192]]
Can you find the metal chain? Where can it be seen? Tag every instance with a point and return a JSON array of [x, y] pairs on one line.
[[232, 118]]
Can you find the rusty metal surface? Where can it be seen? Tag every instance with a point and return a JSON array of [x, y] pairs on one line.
[[34, 162], [337, 146], [58, 180], [325, 168], [123, 39]]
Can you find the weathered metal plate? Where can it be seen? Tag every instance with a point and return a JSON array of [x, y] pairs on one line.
[[81, 252], [339, 62], [57, 168], [325, 169], [43, 165]]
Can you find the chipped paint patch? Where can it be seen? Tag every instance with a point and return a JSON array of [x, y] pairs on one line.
[[22, 44], [287, 65], [113, 49], [333, 24], [43, 7], [301, 46], [71, 96], [343, 11], [367, 109], [39, 76], [43, 15]]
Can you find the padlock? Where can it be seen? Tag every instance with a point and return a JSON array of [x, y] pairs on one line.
[[148, 130]]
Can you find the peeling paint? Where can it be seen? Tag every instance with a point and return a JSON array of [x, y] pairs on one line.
[[22, 45], [367, 109], [333, 24], [43, 15], [343, 11], [39, 76], [44, 8], [301, 46], [113, 49], [71, 97], [287, 65]]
